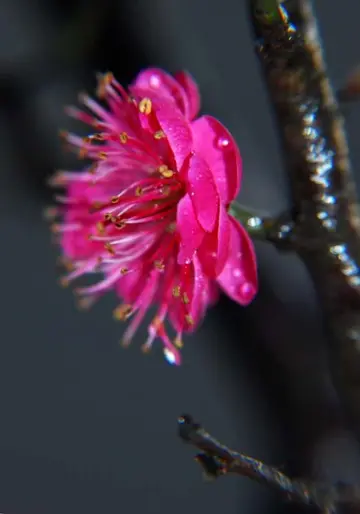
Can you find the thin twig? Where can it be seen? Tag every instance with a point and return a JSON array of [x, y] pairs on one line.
[[217, 460], [277, 230]]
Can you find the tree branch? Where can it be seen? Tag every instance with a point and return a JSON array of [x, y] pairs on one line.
[[217, 460], [325, 229]]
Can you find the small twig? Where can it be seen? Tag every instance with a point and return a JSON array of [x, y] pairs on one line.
[[277, 230], [217, 459]]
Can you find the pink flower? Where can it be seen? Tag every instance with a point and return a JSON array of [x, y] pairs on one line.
[[151, 210]]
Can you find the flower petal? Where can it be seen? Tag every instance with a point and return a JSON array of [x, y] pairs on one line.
[[158, 82], [201, 293], [217, 146], [239, 276], [178, 133], [214, 249], [191, 233], [191, 91], [203, 193]]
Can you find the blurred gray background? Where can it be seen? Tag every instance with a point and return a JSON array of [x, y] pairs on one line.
[[85, 425]]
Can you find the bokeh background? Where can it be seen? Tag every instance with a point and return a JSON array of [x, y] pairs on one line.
[[89, 427]]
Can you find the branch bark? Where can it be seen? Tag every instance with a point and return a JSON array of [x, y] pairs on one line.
[[217, 459], [325, 215]]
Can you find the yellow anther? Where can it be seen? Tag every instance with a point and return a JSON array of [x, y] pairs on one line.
[[178, 342], [185, 298], [123, 312], [66, 263], [189, 319], [104, 81], [176, 291], [159, 264], [96, 205], [165, 171], [118, 223], [165, 191], [57, 180], [115, 199], [100, 228], [84, 303], [145, 106], [107, 216], [123, 137], [123, 271], [102, 155], [64, 282], [138, 191], [82, 152], [157, 323], [109, 248], [159, 134]]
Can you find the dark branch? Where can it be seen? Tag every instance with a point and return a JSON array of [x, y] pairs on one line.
[[217, 459], [326, 229]]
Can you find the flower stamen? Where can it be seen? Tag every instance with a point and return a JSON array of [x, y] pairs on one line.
[[165, 171], [109, 248], [159, 264], [103, 82], [123, 137], [145, 106], [189, 319], [176, 291], [123, 312], [159, 134]]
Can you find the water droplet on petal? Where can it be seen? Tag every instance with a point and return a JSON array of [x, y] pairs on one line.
[[237, 273], [169, 356], [155, 81], [222, 142], [247, 290]]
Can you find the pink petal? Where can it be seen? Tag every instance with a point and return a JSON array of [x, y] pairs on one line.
[[214, 249], [201, 290], [158, 82], [191, 91], [214, 293], [76, 245], [239, 276], [178, 133], [130, 286], [216, 145], [191, 234], [203, 193]]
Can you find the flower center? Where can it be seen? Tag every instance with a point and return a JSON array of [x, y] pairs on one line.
[[152, 200]]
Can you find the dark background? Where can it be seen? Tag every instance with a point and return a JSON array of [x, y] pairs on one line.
[[85, 425]]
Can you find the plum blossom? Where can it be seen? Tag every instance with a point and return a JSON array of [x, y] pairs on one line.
[[150, 211]]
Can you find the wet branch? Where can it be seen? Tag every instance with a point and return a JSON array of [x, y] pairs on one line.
[[218, 460], [324, 219]]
